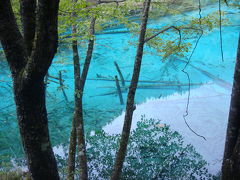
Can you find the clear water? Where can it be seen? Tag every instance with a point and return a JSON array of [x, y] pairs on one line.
[[101, 102]]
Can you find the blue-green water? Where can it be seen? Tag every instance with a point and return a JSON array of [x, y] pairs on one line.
[[101, 102]]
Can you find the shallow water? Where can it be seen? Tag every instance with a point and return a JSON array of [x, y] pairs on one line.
[[101, 102]]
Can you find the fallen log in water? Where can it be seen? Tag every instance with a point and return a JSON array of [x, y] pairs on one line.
[[49, 80], [141, 81], [120, 73], [119, 90], [216, 79], [55, 78], [158, 85], [152, 86]]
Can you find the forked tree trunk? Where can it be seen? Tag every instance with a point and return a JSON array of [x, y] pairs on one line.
[[120, 156], [77, 132], [29, 59], [231, 160]]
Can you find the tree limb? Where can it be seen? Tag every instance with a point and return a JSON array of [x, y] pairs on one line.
[[46, 36], [89, 53], [162, 31], [28, 18], [110, 1], [9, 33]]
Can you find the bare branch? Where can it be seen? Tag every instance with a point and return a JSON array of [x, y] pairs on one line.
[[89, 53], [162, 31], [110, 1]]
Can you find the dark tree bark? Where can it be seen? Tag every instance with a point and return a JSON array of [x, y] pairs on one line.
[[28, 18], [77, 76], [120, 156], [77, 132], [29, 59], [231, 160]]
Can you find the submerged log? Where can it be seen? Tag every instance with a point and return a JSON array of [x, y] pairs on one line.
[[49, 80], [142, 81], [55, 77], [62, 86], [153, 86], [158, 85], [120, 73], [216, 79], [119, 90]]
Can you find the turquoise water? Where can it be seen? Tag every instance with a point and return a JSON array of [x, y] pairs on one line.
[[101, 102]]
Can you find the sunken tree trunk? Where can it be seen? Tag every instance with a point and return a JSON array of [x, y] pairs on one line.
[[231, 160], [29, 59], [131, 95]]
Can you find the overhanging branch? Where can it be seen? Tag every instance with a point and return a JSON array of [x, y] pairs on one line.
[[110, 1], [162, 31]]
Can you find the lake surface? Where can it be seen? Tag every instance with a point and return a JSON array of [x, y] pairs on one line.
[[101, 102]]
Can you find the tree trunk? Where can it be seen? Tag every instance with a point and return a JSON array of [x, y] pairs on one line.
[[73, 137], [29, 59], [231, 160], [28, 18], [72, 151], [131, 95], [82, 154], [33, 124], [77, 131]]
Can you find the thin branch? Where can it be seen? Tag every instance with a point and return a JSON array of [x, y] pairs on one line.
[[220, 28], [89, 54], [162, 31], [111, 1]]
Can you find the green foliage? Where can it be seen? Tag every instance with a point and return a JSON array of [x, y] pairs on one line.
[[80, 13], [154, 152], [171, 42], [128, 14]]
